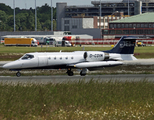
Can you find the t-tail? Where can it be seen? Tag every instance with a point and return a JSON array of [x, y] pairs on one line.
[[124, 49]]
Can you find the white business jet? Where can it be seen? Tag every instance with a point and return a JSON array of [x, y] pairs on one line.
[[83, 60]]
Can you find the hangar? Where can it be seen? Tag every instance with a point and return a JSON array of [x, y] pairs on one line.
[[141, 25]]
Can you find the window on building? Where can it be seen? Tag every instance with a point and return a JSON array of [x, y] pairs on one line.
[[138, 25], [111, 25], [130, 25], [104, 31], [66, 22], [146, 25], [122, 26], [118, 31], [126, 25], [110, 19], [150, 25], [132, 31], [140, 31], [67, 15], [119, 26], [134, 26], [112, 31], [102, 20], [126, 32], [150, 32], [146, 31], [66, 28], [115, 26], [74, 26], [142, 25]]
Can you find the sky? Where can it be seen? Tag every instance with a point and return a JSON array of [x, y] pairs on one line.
[[26, 4]]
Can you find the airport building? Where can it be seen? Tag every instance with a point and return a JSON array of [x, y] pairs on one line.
[[140, 25], [82, 22], [128, 7]]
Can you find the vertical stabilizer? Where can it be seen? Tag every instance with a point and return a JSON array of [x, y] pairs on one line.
[[125, 45]]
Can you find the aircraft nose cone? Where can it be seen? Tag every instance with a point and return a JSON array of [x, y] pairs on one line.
[[12, 65], [6, 66]]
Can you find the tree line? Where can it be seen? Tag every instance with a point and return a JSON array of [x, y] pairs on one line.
[[25, 18]]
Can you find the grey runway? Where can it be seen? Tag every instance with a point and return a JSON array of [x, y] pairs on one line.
[[76, 78]]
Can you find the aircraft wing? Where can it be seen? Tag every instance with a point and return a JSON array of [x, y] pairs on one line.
[[96, 64]]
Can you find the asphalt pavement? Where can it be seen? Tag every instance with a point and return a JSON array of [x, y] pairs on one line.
[[65, 79]]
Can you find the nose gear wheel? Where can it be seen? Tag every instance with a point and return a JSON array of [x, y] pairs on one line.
[[18, 74]]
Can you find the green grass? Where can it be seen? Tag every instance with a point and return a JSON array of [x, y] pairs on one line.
[[14, 49], [78, 100]]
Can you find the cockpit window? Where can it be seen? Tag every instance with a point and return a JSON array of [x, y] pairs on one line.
[[27, 56]]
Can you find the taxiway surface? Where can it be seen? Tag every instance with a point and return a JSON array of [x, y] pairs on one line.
[[65, 79]]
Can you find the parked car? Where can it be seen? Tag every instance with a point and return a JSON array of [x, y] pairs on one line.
[[140, 44]]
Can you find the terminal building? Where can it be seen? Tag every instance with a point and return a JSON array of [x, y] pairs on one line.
[[80, 19], [107, 8], [67, 24]]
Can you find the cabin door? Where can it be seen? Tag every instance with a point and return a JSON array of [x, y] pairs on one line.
[[42, 61]]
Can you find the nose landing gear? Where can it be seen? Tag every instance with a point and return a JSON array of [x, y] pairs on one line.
[[18, 74]]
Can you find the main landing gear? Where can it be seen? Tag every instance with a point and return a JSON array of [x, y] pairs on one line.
[[18, 74], [69, 72], [82, 73]]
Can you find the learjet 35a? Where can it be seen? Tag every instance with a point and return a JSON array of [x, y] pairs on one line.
[[83, 60]]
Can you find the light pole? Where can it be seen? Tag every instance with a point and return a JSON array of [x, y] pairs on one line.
[[100, 20], [100, 15], [51, 17], [35, 17], [128, 7], [14, 16]]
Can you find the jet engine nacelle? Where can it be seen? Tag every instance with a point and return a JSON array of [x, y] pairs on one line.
[[95, 56]]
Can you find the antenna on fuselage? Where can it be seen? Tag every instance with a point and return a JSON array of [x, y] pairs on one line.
[[60, 51]]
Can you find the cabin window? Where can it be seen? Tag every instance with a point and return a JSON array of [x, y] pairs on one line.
[[72, 58], [60, 58], [66, 58], [27, 56], [54, 58]]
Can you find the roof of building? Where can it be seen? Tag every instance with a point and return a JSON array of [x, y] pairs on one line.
[[141, 18]]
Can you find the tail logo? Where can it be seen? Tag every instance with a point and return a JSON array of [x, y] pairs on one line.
[[126, 44]]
